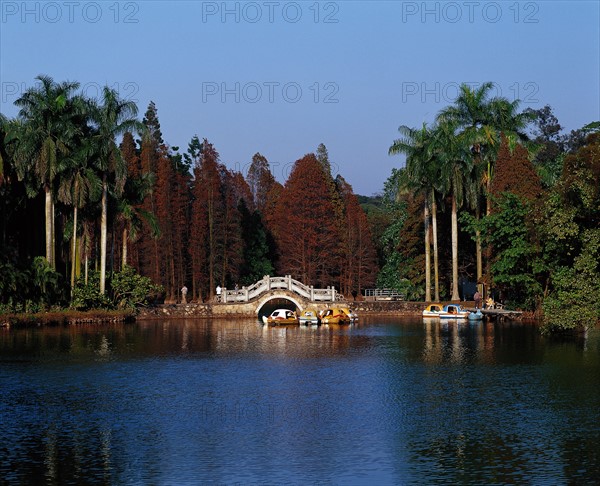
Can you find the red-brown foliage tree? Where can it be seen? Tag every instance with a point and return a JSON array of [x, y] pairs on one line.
[[241, 190], [359, 257], [147, 246], [304, 225], [206, 220], [163, 211], [229, 233], [180, 223], [260, 181], [515, 173]]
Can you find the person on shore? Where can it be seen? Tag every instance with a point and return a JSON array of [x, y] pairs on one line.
[[184, 291], [477, 299], [219, 293]]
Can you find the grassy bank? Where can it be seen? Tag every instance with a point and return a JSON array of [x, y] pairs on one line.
[[66, 317]]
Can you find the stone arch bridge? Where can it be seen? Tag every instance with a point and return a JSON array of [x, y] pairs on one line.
[[250, 300], [253, 301]]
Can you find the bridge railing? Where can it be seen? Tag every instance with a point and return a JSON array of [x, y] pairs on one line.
[[383, 294], [279, 283]]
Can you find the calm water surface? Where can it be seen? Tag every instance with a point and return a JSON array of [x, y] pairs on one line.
[[388, 401]]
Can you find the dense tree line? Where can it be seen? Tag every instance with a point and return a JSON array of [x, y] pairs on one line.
[[177, 219], [94, 201], [529, 204]]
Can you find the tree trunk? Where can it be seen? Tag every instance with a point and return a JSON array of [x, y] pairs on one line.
[[48, 225], [53, 231], [478, 245], [124, 250], [435, 248], [211, 247], [103, 231], [488, 250], [78, 251], [455, 295], [427, 252], [74, 248]]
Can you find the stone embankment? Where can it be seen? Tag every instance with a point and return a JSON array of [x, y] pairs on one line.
[[248, 310]]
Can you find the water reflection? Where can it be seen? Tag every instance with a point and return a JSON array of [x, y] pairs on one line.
[[457, 342], [387, 401]]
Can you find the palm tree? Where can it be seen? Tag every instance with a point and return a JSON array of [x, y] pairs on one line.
[[43, 139], [112, 118], [132, 215], [451, 150], [79, 185], [481, 120], [422, 173]]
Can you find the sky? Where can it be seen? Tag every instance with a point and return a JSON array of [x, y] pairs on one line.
[[280, 77]]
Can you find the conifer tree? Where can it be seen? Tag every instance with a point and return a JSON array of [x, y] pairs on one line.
[[206, 219], [305, 225], [359, 258], [260, 180], [147, 246]]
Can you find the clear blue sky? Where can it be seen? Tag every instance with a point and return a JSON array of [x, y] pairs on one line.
[[281, 77]]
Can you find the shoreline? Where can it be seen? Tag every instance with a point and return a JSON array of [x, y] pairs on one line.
[[203, 311], [65, 318]]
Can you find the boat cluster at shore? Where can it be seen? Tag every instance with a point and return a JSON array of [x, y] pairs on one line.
[[310, 317], [452, 311]]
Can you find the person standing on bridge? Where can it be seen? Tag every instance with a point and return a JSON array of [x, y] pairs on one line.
[[219, 293]]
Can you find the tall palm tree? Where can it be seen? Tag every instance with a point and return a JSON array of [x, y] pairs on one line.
[[451, 150], [78, 186], [132, 215], [43, 138], [112, 118], [422, 173], [481, 120]]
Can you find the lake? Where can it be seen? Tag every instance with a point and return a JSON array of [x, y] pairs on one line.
[[386, 401]]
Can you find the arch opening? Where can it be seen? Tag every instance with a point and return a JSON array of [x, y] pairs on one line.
[[277, 302]]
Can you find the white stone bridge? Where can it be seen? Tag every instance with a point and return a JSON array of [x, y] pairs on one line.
[[269, 288], [249, 301]]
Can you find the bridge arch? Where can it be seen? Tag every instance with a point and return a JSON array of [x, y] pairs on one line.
[[289, 296]]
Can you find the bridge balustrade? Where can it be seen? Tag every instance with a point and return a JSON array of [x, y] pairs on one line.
[[279, 283]]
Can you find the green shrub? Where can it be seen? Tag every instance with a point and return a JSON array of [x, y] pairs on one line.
[[130, 290], [88, 296]]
